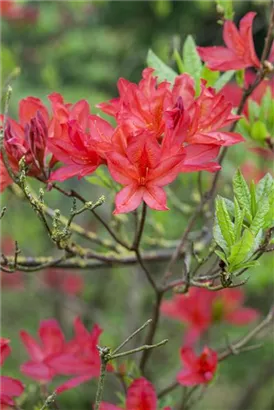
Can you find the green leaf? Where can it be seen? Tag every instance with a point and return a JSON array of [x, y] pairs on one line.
[[242, 193], [163, 71], [239, 219], [253, 201], [224, 221], [246, 265], [243, 127], [192, 62], [253, 111], [225, 7], [230, 206], [264, 187], [100, 178], [223, 80], [259, 218], [240, 250], [179, 61], [265, 105], [218, 237], [258, 131], [210, 76], [269, 217], [221, 255], [240, 77]]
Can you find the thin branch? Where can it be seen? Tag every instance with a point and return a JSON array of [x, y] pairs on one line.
[[131, 336]]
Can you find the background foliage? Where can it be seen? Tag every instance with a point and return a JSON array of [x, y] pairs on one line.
[[80, 49]]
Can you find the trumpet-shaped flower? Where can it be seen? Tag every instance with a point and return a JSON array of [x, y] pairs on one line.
[[9, 387], [141, 395], [239, 51], [197, 369]]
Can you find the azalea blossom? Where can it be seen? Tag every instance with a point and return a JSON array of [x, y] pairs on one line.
[[9, 387], [80, 357], [141, 395], [28, 138], [200, 308], [52, 344], [239, 52], [158, 109], [197, 369], [77, 138]]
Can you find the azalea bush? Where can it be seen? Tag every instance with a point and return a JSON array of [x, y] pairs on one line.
[[140, 182]]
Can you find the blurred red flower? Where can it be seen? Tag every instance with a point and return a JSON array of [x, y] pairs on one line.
[[239, 51], [197, 369], [52, 345], [9, 387], [80, 357], [12, 11], [141, 395], [201, 308], [64, 281]]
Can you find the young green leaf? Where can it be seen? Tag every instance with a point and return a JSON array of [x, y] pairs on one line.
[[253, 202], [240, 250], [242, 193], [264, 187], [221, 256], [219, 239], [163, 71], [210, 76], [223, 80], [192, 61], [259, 218], [239, 219], [179, 61], [224, 221], [269, 217], [259, 132]]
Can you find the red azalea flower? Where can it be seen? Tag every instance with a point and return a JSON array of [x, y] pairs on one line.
[[144, 170], [155, 110], [140, 106], [65, 282], [200, 308], [28, 137], [200, 120], [197, 369], [14, 280], [52, 345], [80, 150], [239, 51], [141, 395], [80, 357], [9, 387], [5, 179]]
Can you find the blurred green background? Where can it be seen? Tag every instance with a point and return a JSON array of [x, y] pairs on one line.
[[80, 49]]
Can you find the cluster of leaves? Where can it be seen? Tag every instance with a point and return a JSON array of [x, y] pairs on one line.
[[259, 126], [240, 224]]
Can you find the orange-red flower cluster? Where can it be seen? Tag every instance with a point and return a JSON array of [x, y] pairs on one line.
[[161, 131]]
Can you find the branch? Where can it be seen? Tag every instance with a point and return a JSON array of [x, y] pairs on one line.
[[87, 262]]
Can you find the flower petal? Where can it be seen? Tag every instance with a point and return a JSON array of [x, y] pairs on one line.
[[141, 395], [128, 199], [155, 197], [33, 349], [10, 386], [37, 371], [51, 336], [70, 384]]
